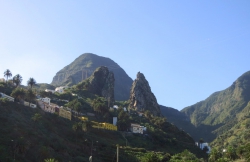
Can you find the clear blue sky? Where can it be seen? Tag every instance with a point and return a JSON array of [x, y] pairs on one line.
[[186, 49]]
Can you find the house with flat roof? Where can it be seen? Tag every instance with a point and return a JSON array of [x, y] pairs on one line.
[[137, 128]]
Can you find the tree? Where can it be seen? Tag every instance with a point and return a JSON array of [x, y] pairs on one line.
[[86, 126], [18, 93], [151, 157], [214, 155], [77, 127], [36, 117], [75, 105], [17, 80], [123, 121], [148, 114], [99, 104], [230, 153], [30, 95], [166, 157], [246, 153], [184, 156], [7, 74], [31, 82], [240, 151]]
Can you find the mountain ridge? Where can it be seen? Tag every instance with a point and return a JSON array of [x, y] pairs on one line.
[[221, 109], [84, 65]]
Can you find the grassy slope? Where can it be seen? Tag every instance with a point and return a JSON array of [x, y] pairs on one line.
[[53, 137], [238, 132]]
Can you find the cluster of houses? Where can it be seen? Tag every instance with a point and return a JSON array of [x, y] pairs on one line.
[[47, 106], [134, 128], [65, 112]]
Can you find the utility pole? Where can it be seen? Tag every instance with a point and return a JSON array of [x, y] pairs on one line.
[[117, 153]]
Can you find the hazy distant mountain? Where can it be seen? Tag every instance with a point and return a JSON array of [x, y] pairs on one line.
[[83, 66], [222, 110]]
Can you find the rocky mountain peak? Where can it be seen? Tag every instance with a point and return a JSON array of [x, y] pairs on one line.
[[83, 67], [141, 97]]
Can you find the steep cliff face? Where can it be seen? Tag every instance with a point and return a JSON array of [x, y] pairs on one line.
[[83, 66], [102, 83], [141, 97]]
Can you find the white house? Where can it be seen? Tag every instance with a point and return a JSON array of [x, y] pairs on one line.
[[203, 145], [29, 104], [140, 114], [2, 95], [32, 105], [115, 107], [49, 90], [50, 108], [2, 80], [46, 100], [61, 89], [136, 128]]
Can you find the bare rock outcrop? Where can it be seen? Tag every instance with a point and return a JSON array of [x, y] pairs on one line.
[[102, 83], [141, 97]]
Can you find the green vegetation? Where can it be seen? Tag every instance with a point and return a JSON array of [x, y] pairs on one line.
[[216, 115], [239, 153], [38, 136], [34, 135]]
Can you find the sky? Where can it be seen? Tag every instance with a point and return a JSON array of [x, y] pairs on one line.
[[187, 50]]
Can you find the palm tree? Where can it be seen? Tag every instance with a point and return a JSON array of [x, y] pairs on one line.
[[7, 74], [17, 79], [30, 95], [31, 82]]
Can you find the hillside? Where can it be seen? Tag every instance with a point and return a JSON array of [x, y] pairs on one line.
[[222, 110], [83, 66], [179, 119], [34, 135]]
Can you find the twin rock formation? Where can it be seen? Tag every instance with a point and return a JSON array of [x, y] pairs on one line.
[[94, 73], [141, 98]]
